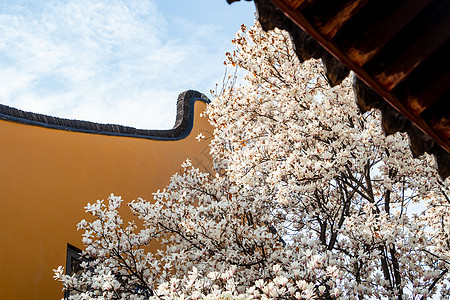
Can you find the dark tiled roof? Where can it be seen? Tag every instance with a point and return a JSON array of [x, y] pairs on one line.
[[182, 128], [398, 48]]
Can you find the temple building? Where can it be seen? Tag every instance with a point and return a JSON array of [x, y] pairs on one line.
[[52, 167]]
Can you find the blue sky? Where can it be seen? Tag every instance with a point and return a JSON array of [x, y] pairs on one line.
[[113, 61]]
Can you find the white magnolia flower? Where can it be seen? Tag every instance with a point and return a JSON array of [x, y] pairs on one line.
[[306, 199]]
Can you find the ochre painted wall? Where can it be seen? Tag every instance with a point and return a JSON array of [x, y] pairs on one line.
[[47, 176]]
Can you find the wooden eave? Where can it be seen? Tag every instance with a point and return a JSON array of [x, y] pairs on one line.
[[399, 49]]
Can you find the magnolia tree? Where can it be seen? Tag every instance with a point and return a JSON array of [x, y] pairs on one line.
[[307, 200]]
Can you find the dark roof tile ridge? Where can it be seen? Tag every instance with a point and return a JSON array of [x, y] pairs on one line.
[[182, 128]]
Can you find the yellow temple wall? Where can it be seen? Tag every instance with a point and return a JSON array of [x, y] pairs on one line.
[[47, 176]]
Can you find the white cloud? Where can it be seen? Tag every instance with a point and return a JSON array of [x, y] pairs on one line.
[[104, 61]]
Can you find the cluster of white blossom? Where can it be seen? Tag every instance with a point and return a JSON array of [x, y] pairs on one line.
[[307, 200]]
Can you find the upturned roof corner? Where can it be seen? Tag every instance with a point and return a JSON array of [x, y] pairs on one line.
[[182, 128]]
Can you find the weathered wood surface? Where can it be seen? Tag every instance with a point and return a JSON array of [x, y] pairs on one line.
[[398, 49]]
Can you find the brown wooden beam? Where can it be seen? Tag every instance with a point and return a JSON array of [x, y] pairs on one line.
[[299, 19], [363, 47]]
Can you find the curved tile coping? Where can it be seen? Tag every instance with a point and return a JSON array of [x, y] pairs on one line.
[[182, 128]]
